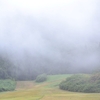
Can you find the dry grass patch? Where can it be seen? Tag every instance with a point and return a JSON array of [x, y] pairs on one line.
[[24, 85]]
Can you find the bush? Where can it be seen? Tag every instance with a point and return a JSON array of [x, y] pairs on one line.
[[82, 83], [41, 78], [7, 85]]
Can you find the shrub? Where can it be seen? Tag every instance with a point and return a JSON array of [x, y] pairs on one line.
[[7, 85], [41, 78], [82, 83]]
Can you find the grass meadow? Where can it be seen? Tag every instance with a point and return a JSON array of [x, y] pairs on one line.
[[48, 90]]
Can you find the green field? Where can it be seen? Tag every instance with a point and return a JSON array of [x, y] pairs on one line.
[[49, 90]]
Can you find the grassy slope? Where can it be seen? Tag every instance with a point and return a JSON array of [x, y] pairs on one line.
[[45, 91]]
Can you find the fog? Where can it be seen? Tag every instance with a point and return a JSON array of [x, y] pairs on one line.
[[54, 34]]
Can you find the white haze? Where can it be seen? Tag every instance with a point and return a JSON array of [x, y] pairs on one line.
[[65, 31]]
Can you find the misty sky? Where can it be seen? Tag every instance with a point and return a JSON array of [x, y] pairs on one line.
[[60, 30]]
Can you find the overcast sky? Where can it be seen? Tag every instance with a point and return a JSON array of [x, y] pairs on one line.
[[50, 28]]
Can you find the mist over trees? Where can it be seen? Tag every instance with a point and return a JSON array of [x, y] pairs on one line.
[[57, 39], [30, 67]]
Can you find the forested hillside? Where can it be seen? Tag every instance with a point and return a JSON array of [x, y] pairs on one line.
[[6, 68], [29, 67]]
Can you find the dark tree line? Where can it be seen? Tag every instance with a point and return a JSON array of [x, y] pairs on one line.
[[6, 68]]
